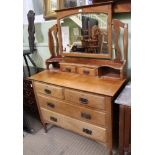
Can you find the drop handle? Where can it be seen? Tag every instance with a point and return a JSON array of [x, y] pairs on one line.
[[53, 119], [86, 72], [51, 105], [67, 69], [85, 115], [83, 100], [87, 131], [47, 91]]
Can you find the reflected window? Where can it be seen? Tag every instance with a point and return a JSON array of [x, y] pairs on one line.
[[53, 4]]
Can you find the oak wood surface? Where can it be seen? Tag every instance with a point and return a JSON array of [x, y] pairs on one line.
[[117, 27], [77, 102], [92, 63], [122, 7], [49, 90], [92, 100], [127, 128], [52, 35], [109, 124], [96, 85], [124, 129], [119, 6], [86, 71], [39, 110], [53, 45], [68, 68], [73, 110], [98, 133], [85, 64]]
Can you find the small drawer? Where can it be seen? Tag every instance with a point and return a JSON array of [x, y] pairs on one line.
[[67, 68], [73, 110], [83, 128], [82, 98], [86, 71], [49, 90]]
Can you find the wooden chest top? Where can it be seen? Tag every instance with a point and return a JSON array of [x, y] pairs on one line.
[[96, 85]]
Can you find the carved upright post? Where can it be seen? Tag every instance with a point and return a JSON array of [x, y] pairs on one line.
[[31, 30]]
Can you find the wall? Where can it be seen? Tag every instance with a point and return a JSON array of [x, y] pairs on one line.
[[41, 39]]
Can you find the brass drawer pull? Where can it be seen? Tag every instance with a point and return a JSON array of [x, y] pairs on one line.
[[47, 91], [86, 72], [53, 119], [85, 115], [83, 100], [67, 70], [87, 131], [51, 105]]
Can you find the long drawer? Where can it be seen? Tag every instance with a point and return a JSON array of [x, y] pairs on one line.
[[83, 128], [83, 98], [72, 110], [50, 90]]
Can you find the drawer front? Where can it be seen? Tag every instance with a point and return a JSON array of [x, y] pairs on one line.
[[67, 68], [75, 111], [49, 90], [86, 71], [83, 98], [83, 128]]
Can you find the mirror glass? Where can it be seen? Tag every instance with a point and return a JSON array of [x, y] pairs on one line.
[[54, 4], [85, 33], [74, 3]]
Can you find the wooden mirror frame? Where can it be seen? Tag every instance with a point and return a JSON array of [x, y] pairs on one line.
[[47, 11], [96, 8]]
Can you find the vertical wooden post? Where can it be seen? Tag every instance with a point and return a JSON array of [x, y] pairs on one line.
[[109, 124], [40, 114]]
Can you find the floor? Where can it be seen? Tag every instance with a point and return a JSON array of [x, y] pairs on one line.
[[59, 142]]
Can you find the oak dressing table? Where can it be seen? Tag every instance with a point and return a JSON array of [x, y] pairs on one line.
[[77, 93]]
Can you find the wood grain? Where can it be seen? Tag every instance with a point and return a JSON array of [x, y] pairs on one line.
[[92, 63], [122, 7], [72, 110], [109, 124], [68, 68], [98, 133], [86, 71], [94, 101], [95, 85], [49, 90], [39, 110]]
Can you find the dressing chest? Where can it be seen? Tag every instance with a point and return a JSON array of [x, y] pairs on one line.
[[76, 102], [77, 93]]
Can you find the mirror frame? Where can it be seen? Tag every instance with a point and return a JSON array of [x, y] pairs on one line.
[[48, 13], [96, 8]]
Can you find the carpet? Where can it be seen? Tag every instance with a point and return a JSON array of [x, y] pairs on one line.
[[60, 142]]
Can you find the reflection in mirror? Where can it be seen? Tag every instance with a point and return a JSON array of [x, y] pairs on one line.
[[54, 5], [74, 3], [85, 33]]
